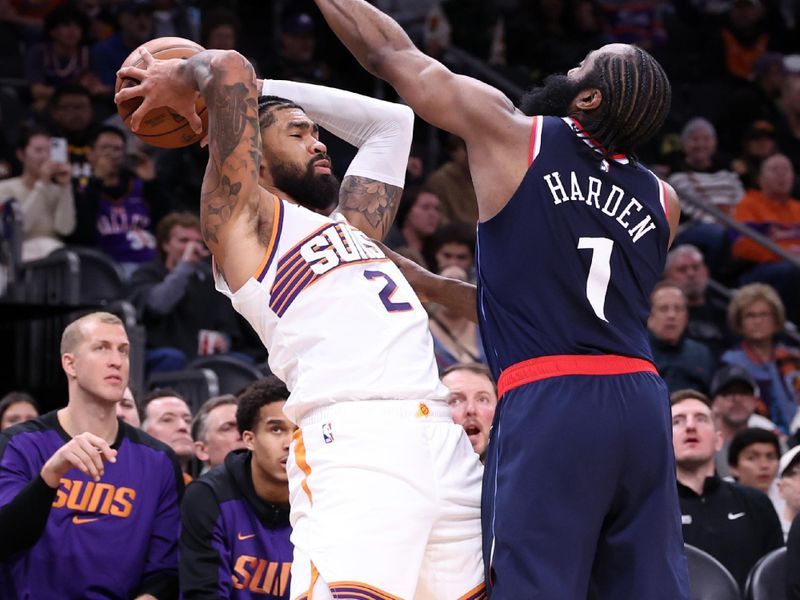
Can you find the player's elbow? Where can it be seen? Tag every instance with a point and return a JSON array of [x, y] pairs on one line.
[[404, 117], [229, 62]]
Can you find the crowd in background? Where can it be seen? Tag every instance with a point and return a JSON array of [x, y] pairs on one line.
[[721, 321]]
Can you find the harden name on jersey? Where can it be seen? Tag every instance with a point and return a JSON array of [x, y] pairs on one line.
[[607, 201]]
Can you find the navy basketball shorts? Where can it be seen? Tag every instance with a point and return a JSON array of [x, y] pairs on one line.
[[579, 490]]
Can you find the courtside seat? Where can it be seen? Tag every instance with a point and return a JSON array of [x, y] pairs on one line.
[[767, 579], [708, 579]]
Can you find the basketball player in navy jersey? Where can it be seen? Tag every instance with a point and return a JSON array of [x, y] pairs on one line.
[[579, 488]]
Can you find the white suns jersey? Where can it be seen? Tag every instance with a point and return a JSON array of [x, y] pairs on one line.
[[338, 318]]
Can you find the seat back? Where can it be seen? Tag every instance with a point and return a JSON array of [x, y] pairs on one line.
[[195, 385], [708, 579], [101, 280], [232, 373], [767, 578]]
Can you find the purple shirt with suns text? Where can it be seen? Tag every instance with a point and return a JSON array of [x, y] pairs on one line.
[[103, 539]]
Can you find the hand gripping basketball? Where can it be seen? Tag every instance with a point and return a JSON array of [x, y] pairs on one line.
[[161, 83]]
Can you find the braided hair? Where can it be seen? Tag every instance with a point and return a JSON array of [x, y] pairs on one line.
[[636, 99], [267, 105]]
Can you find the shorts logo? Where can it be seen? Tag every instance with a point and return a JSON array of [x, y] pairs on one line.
[[423, 410], [327, 433]]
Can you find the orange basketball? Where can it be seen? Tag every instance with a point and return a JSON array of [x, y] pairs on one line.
[[162, 127]]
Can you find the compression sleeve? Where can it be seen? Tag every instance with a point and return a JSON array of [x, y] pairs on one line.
[[382, 131], [24, 518]]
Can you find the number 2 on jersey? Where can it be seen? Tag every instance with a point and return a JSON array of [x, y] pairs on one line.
[[387, 291], [599, 272]]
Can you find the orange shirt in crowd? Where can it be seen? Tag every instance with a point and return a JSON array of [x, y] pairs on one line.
[[778, 220]]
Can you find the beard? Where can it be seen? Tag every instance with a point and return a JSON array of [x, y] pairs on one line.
[[314, 192], [554, 96]]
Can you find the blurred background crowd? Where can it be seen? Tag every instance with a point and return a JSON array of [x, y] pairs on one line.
[[102, 219]]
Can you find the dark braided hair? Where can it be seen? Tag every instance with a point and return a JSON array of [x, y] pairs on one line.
[[267, 105], [636, 99]]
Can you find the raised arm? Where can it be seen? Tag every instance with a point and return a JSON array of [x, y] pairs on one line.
[[233, 208], [496, 133], [382, 132]]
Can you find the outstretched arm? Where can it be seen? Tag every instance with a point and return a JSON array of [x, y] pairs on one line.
[[382, 132], [231, 208], [459, 297], [459, 104]]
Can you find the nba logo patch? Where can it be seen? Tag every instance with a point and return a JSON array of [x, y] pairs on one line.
[[327, 433], [604, 166]]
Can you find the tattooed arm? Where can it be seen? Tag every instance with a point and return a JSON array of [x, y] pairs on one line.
[[381, 131], [233, 208]]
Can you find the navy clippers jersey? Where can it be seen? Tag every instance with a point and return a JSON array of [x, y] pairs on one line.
[[568, 265]]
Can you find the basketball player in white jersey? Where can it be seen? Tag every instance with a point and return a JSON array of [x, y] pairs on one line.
[[384, 487]]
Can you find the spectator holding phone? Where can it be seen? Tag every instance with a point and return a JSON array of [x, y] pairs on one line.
[[182, 312], [43, 193]]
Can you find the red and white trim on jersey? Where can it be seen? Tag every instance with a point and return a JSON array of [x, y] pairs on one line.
[[593, 143], [536, 139]]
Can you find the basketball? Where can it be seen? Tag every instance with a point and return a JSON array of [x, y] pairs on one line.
[[162, 127]]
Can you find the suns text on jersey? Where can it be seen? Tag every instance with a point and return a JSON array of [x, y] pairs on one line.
[[611, 202], [336, 245]]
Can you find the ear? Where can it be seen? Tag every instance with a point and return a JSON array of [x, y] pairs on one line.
[[68, 364], [718, 442], [247, 438], [588, 100], [200, 451]]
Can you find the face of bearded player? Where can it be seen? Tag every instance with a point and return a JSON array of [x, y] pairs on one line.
[[296, 162]]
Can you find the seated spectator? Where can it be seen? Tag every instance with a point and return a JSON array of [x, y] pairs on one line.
[[72, 116], [419, 215], [756, 314], [455, 339], [753, 457], [682, 362], [221, 29], [735, 524], [686, 268], [62, 58], [758, 144], [734, 398], [703, 178], [89, 506], [472, 400], [118, 209], [789, 124], [128, 410], [297, 53], [43, 195], [214, 431], [166, 416], [773, 212], [135, 18], [182, 312], [452, 184], [452, 245], [235, 537], [17, 407], [789, 488], [745, 37]]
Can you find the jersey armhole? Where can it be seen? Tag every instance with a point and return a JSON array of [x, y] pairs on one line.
[[269, 253], [662, 190], [536, 139]]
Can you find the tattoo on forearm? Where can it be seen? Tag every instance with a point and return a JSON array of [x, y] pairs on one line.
[[234, 148], [375, 201]]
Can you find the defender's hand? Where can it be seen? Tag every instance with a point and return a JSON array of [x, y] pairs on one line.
[[162, 83]]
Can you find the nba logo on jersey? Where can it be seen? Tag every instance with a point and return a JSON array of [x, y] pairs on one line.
[[604, 166], [327, 433]]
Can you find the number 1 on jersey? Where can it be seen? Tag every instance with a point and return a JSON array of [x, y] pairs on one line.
[[599, 272]]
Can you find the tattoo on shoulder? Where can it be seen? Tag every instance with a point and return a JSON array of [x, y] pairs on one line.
[[375, 201]]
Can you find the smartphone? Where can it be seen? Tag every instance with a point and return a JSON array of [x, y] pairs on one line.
[[58, 149]]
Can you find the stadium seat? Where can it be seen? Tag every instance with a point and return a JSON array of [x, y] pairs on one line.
[[767, 579], [708, 579], [101, 280], [233, 374], [195, 385]]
